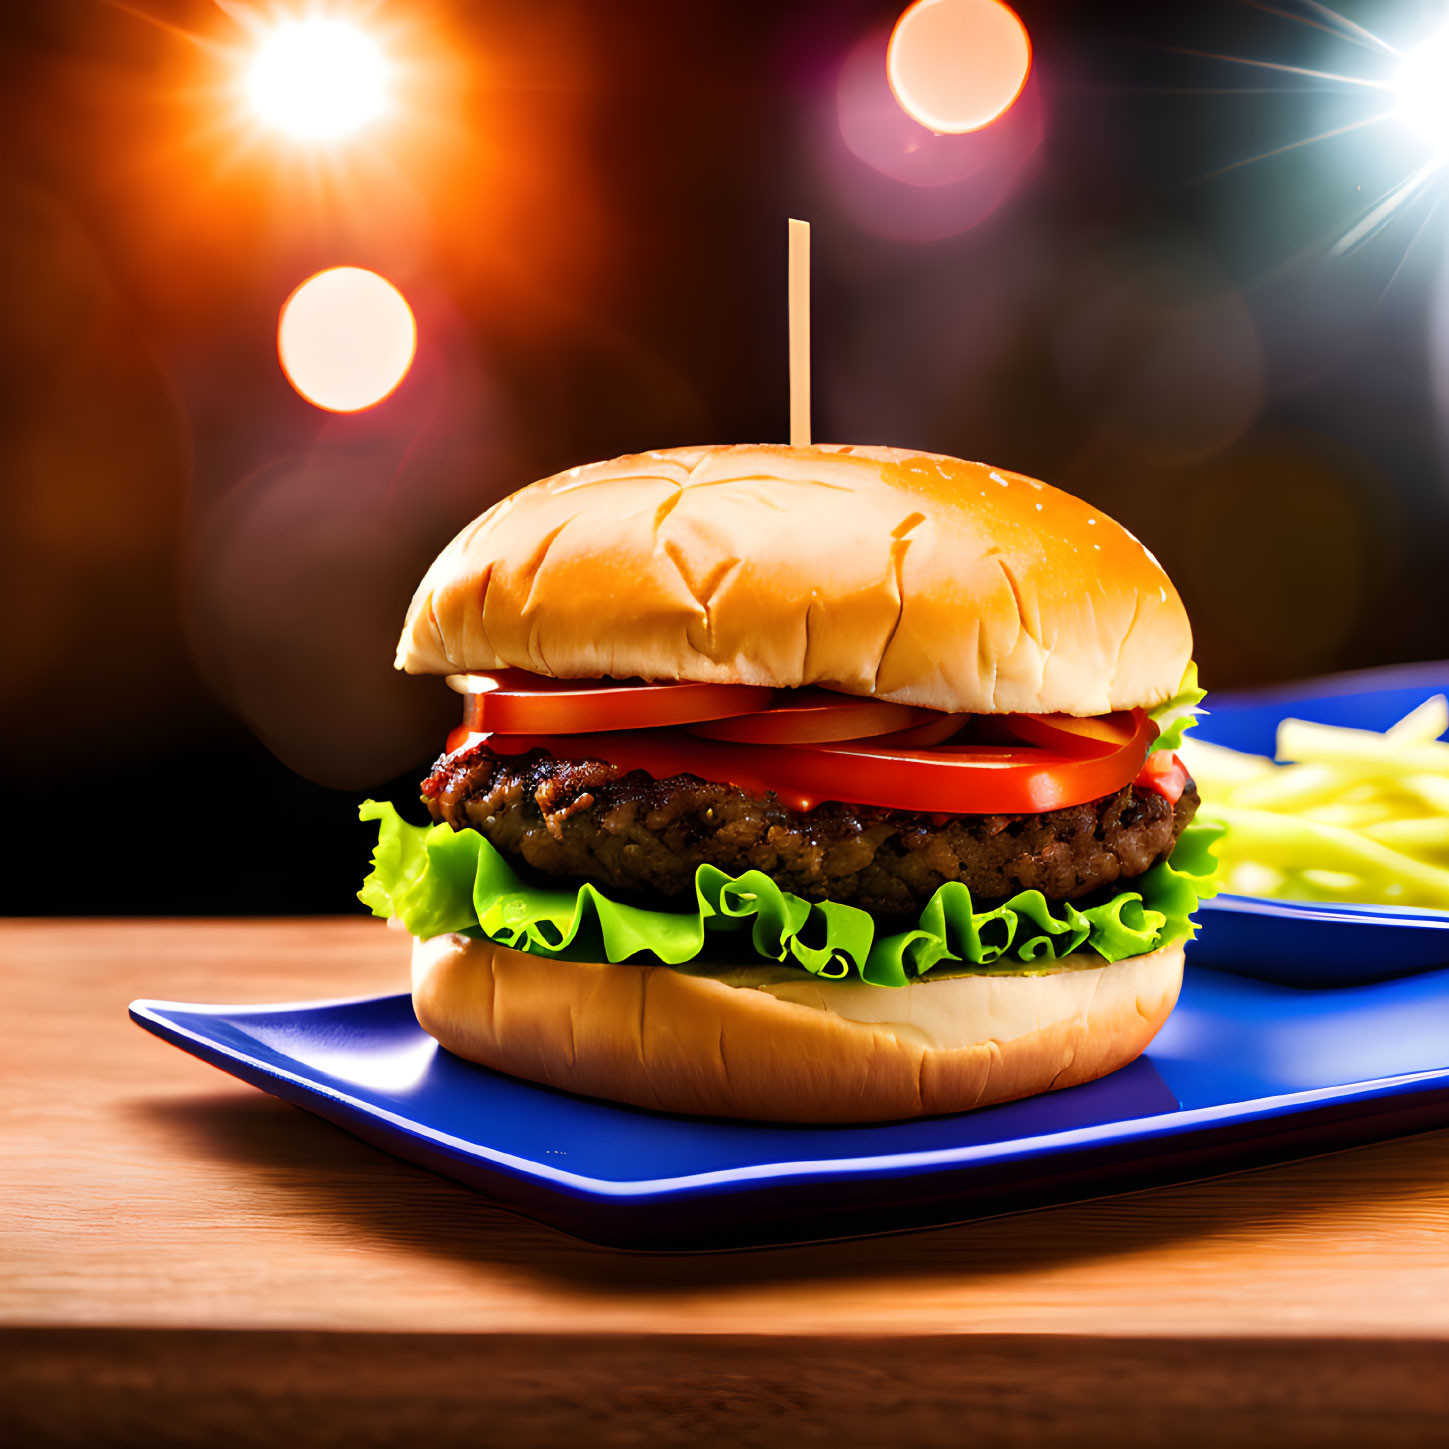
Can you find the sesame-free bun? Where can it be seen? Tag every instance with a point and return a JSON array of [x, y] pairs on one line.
[[909, 576], [768, 1044]]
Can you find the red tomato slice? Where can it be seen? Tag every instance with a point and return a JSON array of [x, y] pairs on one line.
[[934, 731], [951, 779], [992, 780], [512, 701], [464, 737], [811, 716], [1164, 773], [1094, 735]]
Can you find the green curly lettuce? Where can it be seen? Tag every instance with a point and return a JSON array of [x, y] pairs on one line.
[[1180, 713], [435, 879]]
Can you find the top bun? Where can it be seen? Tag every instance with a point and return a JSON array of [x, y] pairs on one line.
[[874, 571]]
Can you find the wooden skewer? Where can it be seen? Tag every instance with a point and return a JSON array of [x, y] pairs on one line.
[[799, 334]]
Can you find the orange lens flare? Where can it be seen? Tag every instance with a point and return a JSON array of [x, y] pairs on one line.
[[346, 339], [956, 65]]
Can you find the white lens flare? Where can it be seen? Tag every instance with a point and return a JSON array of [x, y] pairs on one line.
[[318, 79], [1422, 88]]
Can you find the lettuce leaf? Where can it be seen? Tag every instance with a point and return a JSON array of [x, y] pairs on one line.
[[1179, 713], [436, 879]]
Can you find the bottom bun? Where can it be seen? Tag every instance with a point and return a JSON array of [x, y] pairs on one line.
[[774, 1045]]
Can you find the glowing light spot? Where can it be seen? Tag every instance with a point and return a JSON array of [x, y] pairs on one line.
[[1422, 86], [346, 339], [956, 65], [318, 79]]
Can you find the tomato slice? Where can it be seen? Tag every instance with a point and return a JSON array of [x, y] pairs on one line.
[[810, 716], [1093, 735], [950, 779], [512, 701], [935, 731], [1164, 773], [919, 737], [992, 779], [464, 737]]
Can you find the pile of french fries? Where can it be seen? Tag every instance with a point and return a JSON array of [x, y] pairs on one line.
[[1338, 815]]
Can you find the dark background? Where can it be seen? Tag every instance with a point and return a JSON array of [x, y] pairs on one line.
[[203, 576]]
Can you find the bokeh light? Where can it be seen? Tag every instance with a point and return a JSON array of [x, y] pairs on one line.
[[318, 79], [300, 572], [877, 131], [346, 339], [956, 65], [896, 179]]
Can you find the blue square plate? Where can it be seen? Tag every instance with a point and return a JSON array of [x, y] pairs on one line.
[[1244, 1072], [1306, 943]]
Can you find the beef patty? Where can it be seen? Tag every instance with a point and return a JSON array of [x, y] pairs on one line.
[[643, 838]]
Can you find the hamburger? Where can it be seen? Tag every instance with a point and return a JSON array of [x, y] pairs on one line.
[[809, 784]]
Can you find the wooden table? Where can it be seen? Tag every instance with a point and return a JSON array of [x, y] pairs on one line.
[[183, 1259]]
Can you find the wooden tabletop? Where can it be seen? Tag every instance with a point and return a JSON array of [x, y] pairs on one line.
[[183, 1257]]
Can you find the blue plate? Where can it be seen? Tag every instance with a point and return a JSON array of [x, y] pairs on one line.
[[1305, 943], [1244, 1072]]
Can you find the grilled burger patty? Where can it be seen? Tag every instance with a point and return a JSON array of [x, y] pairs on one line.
[[643, 838]]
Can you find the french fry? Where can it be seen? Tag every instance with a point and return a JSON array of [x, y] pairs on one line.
[[1422, 833], [1293, 843], [1351, 815], [1217, 768], [1431, 791], [1291, 787], [1358, 753], [1345, 814], [1423, 724]]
